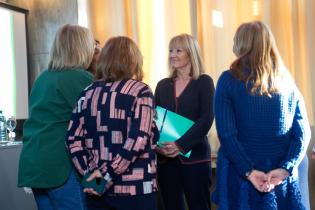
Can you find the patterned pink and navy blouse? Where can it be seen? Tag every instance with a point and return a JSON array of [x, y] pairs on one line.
[[112, 129]]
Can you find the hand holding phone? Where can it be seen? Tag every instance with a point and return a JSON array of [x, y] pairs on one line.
[[98, 184]]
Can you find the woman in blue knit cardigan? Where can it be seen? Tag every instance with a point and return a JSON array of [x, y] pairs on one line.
[[262, 126]]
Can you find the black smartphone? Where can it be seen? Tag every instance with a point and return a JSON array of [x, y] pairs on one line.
[[98, 184]]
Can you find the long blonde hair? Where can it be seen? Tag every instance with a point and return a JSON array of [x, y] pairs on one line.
[[258, 61], [191, 46], [73, 47]]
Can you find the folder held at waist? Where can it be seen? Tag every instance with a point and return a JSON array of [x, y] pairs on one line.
[[172, 126]]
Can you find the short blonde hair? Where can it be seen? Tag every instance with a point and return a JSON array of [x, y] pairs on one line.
[[191, 46], [73, 47], [120, 59], [258, 60]]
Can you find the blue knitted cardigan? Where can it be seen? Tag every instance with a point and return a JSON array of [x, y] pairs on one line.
[[258, 132]]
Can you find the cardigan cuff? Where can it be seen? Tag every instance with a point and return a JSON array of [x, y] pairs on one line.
[[288, 166], [244, 169], [109, 175]]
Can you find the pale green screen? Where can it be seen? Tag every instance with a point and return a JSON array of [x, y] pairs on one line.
[[13, 64]]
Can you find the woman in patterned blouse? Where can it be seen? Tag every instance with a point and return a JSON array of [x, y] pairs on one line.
[[112, 134]]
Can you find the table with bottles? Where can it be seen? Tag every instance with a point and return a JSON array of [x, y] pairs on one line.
[[7, 127], [12, 198]]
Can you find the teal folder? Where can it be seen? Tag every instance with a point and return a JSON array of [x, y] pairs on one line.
[[171, 126]]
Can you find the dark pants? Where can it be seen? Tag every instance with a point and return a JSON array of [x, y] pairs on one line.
[[137, 202], [177, 180]]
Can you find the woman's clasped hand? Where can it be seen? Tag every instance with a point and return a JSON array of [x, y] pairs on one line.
[[266, 182]]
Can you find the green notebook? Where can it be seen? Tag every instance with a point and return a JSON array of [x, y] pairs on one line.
[[172, 126]]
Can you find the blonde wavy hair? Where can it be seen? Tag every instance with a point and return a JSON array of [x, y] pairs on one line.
[[73, 47], [191, 46], [258, 62]]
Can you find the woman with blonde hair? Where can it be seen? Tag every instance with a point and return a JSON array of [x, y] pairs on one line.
[[188, 92], [45, 165], [262, 127], [111, 136]]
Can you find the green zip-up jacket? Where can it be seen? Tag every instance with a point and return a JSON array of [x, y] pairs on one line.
[[44, 161]]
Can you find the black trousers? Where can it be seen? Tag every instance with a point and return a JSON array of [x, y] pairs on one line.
[[177, 180], [137, 202]]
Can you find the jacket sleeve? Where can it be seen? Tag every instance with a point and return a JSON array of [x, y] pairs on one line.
[[202, 125], [226, 127], [75, 139], [301, 135]]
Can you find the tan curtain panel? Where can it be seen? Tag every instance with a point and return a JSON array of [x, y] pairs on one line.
[[151, 23]]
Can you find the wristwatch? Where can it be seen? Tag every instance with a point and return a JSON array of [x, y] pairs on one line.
[[248, 173]]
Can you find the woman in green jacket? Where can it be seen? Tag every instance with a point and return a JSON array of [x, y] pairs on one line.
[[44, 162]]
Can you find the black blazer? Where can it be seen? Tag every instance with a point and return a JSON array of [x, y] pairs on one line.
[[196, 104]]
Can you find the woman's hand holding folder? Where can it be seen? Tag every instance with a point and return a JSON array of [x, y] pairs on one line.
[[168, 149], [94, 183]]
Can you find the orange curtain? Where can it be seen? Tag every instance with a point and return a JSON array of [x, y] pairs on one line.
[[152, 23], [291, 21]]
